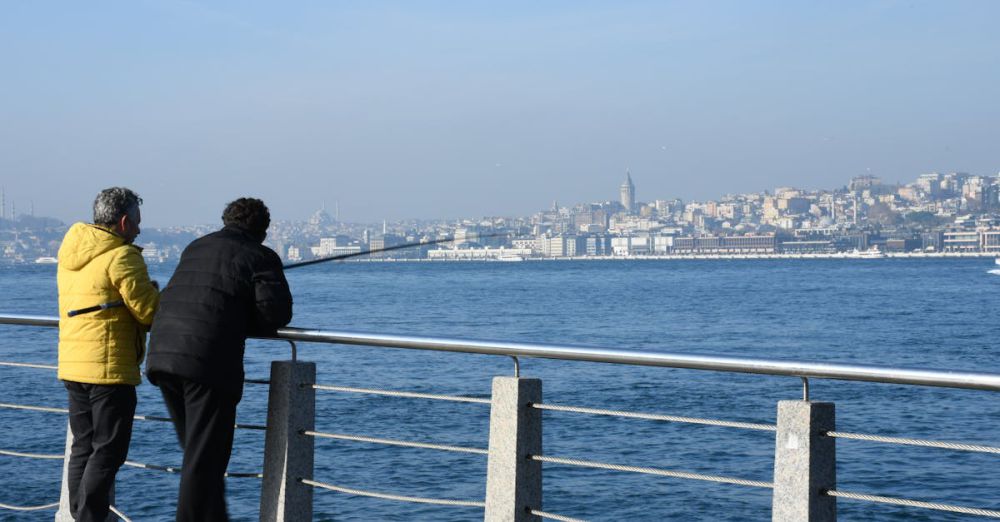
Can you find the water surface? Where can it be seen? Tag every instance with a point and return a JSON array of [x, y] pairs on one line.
[[929, 313]]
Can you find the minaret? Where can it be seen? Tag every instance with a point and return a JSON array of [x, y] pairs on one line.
[[627, 193]]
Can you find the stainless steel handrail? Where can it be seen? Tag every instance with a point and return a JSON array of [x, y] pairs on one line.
[[846, 372]]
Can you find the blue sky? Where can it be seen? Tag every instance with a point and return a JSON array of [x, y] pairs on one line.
[[462, 109]]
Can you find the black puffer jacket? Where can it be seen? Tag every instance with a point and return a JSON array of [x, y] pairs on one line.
[[227, 286]]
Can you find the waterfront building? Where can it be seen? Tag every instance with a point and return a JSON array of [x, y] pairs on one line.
[[596, 245], [558, 246], [479, 254], [629, 245], [989, 240], [961, 240], [808, 246], [711, 244]]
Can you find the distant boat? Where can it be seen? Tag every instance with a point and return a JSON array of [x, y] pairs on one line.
[[996, 260], [510, 257], [871, 253], [46, 260]]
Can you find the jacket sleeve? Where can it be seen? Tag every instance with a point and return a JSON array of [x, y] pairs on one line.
[[129, 275], [272, 297]]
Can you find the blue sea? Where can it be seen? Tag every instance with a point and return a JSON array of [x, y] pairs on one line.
[[925, 313]]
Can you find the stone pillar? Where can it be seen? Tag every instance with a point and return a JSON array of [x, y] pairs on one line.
[[513, 482], [288, 454], [805, 463], [63, 514]]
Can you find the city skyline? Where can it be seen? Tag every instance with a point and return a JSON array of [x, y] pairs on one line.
[[626, 190], [442, 111]]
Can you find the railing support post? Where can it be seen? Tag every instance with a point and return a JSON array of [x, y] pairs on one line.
[[288, 454], [513, 481], [805, 463], [63, 514]]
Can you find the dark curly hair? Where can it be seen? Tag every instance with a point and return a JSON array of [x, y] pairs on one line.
[[250, 214]]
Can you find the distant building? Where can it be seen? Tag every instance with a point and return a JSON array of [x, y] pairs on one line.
[[557, 246], [471, 254], [862, 183], [627, 193]]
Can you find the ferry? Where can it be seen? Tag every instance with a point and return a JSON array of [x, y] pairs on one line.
[[871, 253], [46, 260], [510, 257]]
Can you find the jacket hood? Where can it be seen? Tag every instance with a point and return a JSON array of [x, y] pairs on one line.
[[84, 242]]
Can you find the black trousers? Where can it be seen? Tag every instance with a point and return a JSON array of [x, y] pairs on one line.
[[204, 418], [100, 417]]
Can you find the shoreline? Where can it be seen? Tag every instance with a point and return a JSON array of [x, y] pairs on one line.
[[668, 257], [702, 257]]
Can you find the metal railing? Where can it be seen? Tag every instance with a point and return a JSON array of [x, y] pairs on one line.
[[846, 372], [504, 497]]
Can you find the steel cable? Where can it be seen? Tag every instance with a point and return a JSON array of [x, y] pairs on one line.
[[33, 408], [654, 416], [119, 513], [172, 469], [395, 442], [29, 508], [553, 516], [914, 442], [653, 471], [915, 503], [389, 496], [167, 419], [136, 417], [392, 393], [29, 365], [31, 455]]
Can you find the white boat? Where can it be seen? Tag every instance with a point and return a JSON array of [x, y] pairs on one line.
[[46, 260], [996, 260], [871, 253], [510, 257]]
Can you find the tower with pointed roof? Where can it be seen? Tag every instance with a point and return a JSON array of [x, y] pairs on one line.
[[627, 193]]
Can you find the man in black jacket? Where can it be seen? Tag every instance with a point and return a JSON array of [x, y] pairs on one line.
[[227, 286]]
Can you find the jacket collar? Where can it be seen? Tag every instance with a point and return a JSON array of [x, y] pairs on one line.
[[233, 229]]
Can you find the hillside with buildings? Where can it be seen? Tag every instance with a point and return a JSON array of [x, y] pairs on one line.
[[937, 213]]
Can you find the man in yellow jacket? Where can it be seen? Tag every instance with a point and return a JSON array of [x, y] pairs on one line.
[[100, 352]]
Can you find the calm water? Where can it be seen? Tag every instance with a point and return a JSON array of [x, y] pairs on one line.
[[917, 313]]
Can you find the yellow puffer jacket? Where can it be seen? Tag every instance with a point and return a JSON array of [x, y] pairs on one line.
[[104, 347]]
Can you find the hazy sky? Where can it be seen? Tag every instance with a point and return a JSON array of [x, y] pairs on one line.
[[464, 109]]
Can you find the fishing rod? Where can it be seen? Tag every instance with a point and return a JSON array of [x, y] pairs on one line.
[[289, 266], [386, 249], [96, 308]]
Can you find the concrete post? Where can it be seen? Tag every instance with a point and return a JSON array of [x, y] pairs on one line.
[[63, 514], [513, 482], [805, 463], [288, 454]]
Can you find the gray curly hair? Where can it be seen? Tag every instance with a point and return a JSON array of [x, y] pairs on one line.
[[113, 203]]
